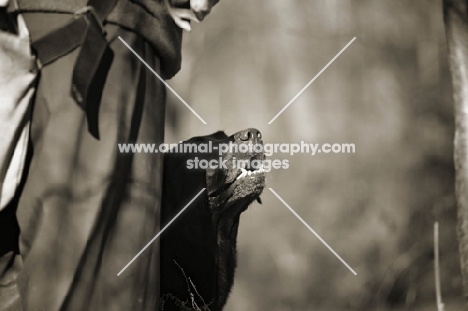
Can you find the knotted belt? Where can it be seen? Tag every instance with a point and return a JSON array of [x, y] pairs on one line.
[[86, 29]]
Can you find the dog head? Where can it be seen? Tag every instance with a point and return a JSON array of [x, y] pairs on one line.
[[240, 179], [232, 167]]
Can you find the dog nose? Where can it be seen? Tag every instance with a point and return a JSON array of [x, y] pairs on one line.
[[249, 134]]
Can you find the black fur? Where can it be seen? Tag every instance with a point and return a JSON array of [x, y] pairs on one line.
[[198, 250]]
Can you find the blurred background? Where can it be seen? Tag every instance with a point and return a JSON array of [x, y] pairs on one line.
[[389, 93]]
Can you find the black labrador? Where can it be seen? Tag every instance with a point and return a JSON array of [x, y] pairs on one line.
[[198, 250]]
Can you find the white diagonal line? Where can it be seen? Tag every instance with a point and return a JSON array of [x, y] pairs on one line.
[[312, 230], [162, 80], [160, 232], [311, 81]]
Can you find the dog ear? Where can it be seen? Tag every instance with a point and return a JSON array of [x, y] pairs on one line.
[[212, 181]]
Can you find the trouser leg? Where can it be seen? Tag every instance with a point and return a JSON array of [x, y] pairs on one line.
[[87, 209]]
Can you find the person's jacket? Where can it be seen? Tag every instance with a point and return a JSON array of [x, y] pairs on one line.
[[148, 18]]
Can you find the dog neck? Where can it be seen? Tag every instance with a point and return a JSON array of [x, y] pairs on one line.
[[226, 260]]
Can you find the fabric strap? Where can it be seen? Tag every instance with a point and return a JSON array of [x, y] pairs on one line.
[[86, 29]]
